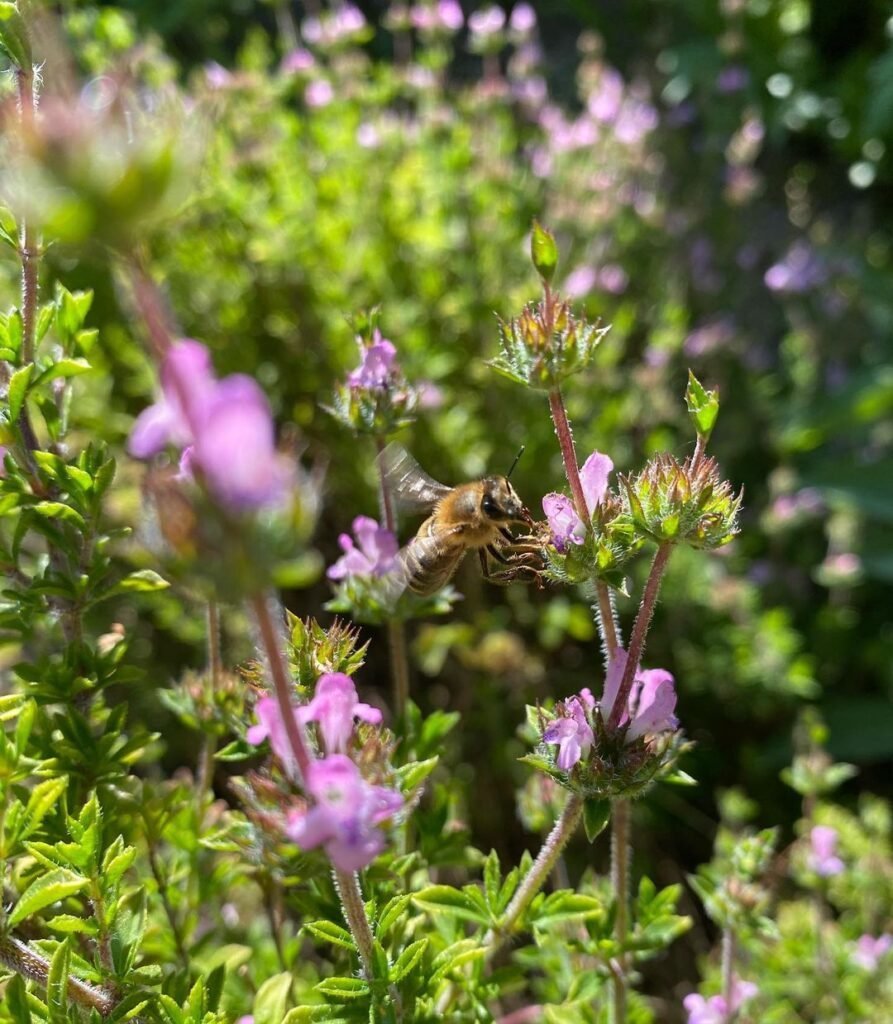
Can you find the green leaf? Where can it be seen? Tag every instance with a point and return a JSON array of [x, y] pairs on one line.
[[64, 368], [703, 406], [408, 960], [391, 912], [16, 1000], [492, 878], [14, 36], [44, 796], [412, 775], [57, 984], [328, 931], [45, 320], [566, 905], [9, 229], [543, 251], [142, 582], [339, 988], [444, 899], [18, 389], [269, 1003], [49, 888], [596, 815], [59, 510]]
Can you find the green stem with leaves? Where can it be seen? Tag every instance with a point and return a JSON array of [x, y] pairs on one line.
[[539, 871], [18, 956]]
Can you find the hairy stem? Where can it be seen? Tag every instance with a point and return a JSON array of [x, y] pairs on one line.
[[728, 971], [620, 884], [151, 308], [640, 631], [30, 246], [700, 448], [539, 871], [283, 686], [568, 452], [348, 886], [607, 621], [396, 629], [21, 958]]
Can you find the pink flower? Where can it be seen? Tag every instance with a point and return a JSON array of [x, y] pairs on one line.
[[376, 554], [572, 731], [297, 61], [449, 13], [334, 707], [652, 699], [523, 19], [869, 950], [346, 814], [714, 1010], [823, 859], [319, 93], [486, 22], [217, 76], [236, 447], [224, 429], [271, 726], [581, 281], [377, 364], [565, 524]]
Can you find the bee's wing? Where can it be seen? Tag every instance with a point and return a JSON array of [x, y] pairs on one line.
[[412, 488]]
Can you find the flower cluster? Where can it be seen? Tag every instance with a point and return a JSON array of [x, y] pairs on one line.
[[683, 503], [823, 859], [346, 811], [565, 525], [223, 428], [619, 763], [373, 554], [376, 398], [546, 344]]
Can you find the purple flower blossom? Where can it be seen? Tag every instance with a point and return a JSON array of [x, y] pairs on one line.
[[367, 135], [714, 1010], [605, 100], [346, 814], [799, 271], [319, 93], [377, 365], [217, 76], [580, 281], [486, 22], [565, 524], [449, 12], [823, 859], [731, 79], [869, 950], [224, 428], [613, 278], [297, 61], [445, 16], [271, 726], [374, 554], [651, 703], [334, 707], [523, 19], [572, 731], [236, 446]]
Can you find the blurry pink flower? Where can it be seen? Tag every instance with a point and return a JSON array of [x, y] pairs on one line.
[[823, 859], [605, 100], [428, 395], [869, 950], [271, 726], [798, 271], [346, 814], [297, 61], [319, 93], [449, 13], [565, 524], [334, 707], [367, 135], [731, 79], [613, 278], [224, 428], [572, 731], [376, 366], [523, 19], [714, 1010], [375, 555], [486, 22], [580, 281], [652, 699], [217, 76]]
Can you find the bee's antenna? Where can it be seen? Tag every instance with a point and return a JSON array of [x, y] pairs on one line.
[[515, 463]]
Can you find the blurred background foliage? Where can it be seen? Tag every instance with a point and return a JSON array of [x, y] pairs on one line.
[[718, 177]]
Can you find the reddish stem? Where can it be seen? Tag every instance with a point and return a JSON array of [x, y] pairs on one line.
[[568, 453], [640, 631]]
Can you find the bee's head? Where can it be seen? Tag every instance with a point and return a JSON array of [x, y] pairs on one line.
[[501, 503]]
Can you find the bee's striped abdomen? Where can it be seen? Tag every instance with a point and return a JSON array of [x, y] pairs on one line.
[[429, 561]]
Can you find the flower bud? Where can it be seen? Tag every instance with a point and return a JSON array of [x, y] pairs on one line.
[[543, 252]]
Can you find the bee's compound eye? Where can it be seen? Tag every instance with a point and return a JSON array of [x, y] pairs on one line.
[[489, 507]]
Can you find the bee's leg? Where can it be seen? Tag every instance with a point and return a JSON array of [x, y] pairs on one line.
[[517, 574], [485, 565], [494, 553], [507, 533]]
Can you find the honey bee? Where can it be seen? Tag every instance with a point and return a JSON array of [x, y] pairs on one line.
[[471, 516]]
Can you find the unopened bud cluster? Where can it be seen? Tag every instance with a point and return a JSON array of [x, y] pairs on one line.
[[683, 503], [546, 344]]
